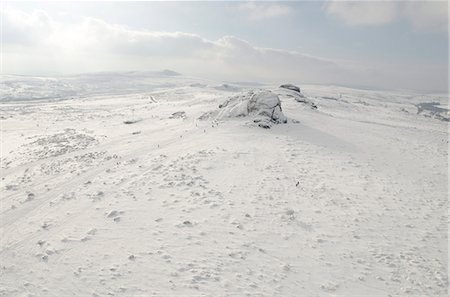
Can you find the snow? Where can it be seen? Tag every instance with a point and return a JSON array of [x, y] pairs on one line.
[[349, 199]]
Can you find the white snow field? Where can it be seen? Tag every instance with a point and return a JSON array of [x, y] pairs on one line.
[[138, 184]]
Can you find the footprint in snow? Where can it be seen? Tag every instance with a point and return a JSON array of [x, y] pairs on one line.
[[30, 197], [185, 224], [115, 215], [329, 286]]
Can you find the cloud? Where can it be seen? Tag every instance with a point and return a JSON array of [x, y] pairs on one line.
[[273, 64], [97, 35], [428, 16], [23, 28], [362, 13], [261, 11], [96, 41], [38, 45]]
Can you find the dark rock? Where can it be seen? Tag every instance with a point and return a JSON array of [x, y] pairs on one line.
[[291, 87]]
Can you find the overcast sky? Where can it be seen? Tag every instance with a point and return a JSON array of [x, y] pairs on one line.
[[400, 45]]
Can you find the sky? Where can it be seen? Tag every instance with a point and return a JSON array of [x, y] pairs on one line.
[[379, 45]]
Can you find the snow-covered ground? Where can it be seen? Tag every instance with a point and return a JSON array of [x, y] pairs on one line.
[[130, 185]]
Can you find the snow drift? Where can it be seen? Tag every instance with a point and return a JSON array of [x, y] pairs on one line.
[[264, 107]]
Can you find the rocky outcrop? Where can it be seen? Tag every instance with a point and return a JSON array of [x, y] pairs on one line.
[[263, 107]]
